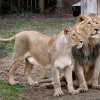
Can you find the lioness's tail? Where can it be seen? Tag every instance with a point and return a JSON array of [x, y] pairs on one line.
[[8, 39]]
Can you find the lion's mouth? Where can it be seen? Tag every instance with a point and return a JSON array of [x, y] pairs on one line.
[[95, 36]]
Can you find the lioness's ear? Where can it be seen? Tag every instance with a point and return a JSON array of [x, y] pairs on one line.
[[66, 30], [81, 18]]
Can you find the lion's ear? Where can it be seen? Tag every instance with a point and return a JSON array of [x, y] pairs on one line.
[[81, 18], [66, 30]]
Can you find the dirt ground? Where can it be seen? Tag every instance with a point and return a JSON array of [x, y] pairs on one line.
[[40, 93]]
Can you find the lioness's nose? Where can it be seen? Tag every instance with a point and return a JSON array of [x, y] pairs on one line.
[[81, 41], [96, 30]]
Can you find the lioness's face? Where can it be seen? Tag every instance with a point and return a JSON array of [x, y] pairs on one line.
[[74, 38]]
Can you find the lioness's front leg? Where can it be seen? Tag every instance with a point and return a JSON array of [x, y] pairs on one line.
[[56, 80], [80, 75], [68, 76], [95, 83]]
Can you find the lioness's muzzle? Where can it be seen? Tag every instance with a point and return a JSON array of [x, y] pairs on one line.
[[80, 45]]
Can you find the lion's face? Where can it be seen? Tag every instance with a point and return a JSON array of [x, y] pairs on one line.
[[89, 26], [74, 38]]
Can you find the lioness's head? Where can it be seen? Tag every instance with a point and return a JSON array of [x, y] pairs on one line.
[[73, 37], [89, 25]]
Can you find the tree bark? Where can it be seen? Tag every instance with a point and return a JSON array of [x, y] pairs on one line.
[[88, 6]]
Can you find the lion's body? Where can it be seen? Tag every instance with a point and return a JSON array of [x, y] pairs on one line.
[[86, 57], [87, 64], [34, 43]]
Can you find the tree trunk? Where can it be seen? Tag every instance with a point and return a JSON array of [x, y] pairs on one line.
[[88, 6]]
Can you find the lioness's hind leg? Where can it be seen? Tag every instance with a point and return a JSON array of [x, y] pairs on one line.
[[28, 69], [14, 66]]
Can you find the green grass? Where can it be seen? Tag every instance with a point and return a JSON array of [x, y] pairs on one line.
[[10, 45], [8, 92]]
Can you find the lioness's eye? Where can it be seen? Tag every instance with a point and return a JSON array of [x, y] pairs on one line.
[[74, 34]]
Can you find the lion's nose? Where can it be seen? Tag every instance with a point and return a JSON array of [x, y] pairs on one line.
[[96, 30]]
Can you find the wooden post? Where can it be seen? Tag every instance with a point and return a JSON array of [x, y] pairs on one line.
[[0, 5], [41, 5], [89, 6], [27, 4], [59, 6], [98, 2], [31, 5]]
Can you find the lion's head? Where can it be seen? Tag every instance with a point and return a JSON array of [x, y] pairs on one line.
[[89, 26]]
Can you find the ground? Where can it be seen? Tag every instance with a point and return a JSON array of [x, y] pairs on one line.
[[10, 25]]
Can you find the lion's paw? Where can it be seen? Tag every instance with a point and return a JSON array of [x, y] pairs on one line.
[[36, 84], [58, 92], [13, 82], [73, 92], [83, 89], [96, 87]]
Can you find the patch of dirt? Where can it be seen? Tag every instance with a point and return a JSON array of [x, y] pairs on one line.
[[3, 51]]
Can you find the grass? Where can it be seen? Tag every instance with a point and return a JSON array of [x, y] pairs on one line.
[[10, 45], [8, 92]]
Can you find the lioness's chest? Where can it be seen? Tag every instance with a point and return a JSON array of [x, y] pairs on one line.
[[63, 62]]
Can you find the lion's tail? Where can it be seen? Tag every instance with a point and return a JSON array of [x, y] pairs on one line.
[[8, 39]]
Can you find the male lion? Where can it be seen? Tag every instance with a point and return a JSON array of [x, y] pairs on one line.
[[87, 66], [39, 49]]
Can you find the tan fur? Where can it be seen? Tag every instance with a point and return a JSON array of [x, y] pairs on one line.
[[9, 39], [88, 73], [44, 50]]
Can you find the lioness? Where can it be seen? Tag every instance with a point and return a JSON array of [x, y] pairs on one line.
[[39, 49], [87, 58]]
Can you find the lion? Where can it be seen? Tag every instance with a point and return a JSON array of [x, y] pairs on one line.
[[38, 49], [87, 58]]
